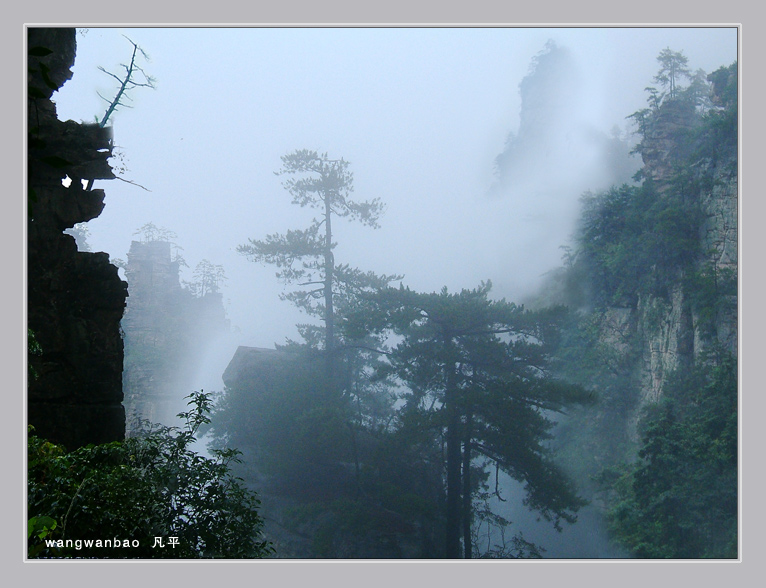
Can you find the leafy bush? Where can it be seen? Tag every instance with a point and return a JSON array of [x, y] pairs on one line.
[[134, 494]]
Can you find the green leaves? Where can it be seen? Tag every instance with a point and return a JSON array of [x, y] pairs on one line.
[[472, 359], [151, 485], [673, 67], [40, 526], [635, 241], [306, 256], [319, 182], [208, 278], [680, 499], [39, 529]]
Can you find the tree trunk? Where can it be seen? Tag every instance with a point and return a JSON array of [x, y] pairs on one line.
[[453, 458], [467, 511], [453, 483], [329, 313]]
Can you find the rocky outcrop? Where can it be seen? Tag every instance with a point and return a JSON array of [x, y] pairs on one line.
[[677, 329], [250, 363], [690, 161], [556, 152], [665, 327], [75, 299], [665, 145], [151, 327], [167, 331], [718, 235]]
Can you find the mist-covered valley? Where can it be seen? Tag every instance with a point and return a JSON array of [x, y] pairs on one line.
[[504, 317]]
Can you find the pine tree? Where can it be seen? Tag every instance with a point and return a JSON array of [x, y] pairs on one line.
[[305, 256], [673, 67], [482, 369]]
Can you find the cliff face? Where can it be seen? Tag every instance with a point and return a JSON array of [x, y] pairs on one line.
[[655, 272], [654, 280], [675, 330], [718, 236], [75, 299], [690, 161]]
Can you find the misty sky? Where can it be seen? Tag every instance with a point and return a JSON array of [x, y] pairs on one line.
[[421, 114]]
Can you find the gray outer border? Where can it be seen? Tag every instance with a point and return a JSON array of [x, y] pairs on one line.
[[373, 573]]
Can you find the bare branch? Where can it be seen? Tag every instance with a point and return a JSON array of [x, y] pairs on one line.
[[132, 183], [126, 83]]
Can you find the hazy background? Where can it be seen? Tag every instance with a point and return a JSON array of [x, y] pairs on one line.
[[421, 114]]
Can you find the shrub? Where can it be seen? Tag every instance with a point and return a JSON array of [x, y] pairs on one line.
[[138, 494]]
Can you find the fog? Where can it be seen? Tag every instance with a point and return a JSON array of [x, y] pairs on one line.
[[421, 114]]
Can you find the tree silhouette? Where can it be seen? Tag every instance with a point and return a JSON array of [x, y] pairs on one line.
[[478, 370], [305, 256], [673, 67]]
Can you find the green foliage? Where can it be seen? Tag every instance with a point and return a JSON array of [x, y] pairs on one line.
[[496, 545], [638, 243], [634, 241], [718, 134], [41, 528], [673, 67], [679, 500], [305, 256], [326, 183], [33, 348], [599, 351], [724, 81], [477, 371], [711, 291], [149, 232], [347, 463], [353, 528], [208, 278], [698, 92], [694, 100], [289, 417], [149, 486]]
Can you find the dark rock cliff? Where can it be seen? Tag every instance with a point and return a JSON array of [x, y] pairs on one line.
[[75, 299]]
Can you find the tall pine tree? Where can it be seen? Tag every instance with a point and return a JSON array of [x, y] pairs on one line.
[[482, 369], [305, 256]]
